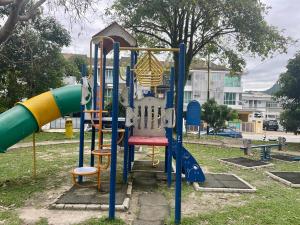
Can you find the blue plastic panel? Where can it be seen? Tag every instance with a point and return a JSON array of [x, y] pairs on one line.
[[193, 113]]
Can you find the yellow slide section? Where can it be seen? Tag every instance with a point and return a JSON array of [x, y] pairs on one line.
[[43, 107]]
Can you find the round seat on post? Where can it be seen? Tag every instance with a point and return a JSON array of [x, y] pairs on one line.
[[85, 171]]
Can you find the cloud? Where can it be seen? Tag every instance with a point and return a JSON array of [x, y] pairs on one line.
[[263, 74], [260, 75], [81, 31]]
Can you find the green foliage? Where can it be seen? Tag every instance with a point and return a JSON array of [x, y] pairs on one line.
[[216, 115], [42, 221], [289, 95], [75, 65], [290, 119], [78, 60], [122, 109], [226, 28], [31, 61], [289, 83]]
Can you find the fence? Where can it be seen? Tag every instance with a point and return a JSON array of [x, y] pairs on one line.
[[60, 123], [248, 127], [243, 126]]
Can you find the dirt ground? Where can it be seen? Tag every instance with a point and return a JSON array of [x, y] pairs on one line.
[[37, 207]]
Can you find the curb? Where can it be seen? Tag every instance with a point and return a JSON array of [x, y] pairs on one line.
[[245, 167], [121, 208], [251, 188], [281, 180]]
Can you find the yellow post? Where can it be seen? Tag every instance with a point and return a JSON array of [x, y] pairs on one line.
[[34, 156], [69, 128]]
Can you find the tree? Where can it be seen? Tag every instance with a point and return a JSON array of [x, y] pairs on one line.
[[289, 95], [215, 115], [20, 12], [31, 61], [290, 120], [75, 65], [231, 27]]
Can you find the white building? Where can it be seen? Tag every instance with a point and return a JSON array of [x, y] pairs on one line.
[[260, 105], [224, 88]]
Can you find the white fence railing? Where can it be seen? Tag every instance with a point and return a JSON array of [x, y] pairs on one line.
[[60, 123]]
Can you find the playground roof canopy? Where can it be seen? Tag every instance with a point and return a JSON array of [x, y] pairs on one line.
[[118, 34]]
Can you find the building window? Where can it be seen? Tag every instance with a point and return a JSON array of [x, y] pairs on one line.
[[272, 104], [229, 98], [215, 77], [232, 81], [107, 96], [109, 76], [187, 97]]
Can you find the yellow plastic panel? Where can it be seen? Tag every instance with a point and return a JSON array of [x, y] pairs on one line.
[[149, 71], [43, 107]]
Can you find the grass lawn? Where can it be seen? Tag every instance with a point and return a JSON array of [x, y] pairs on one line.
[[273, 203]]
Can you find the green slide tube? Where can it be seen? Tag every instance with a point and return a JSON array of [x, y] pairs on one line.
[[19, 122]]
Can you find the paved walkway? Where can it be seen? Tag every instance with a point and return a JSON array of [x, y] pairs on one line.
[[153, 206], [227, 143], [43, 143], [234, 145], [153, 210], [290, 137]]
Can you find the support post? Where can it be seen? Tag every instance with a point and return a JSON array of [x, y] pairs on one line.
[[126, 136], [114, 137], [95, 72], [179, 133], [103, 85], [81, 138], [170, 97], [131, 104]]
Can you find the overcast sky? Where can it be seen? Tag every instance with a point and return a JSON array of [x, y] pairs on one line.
[[260, 75]]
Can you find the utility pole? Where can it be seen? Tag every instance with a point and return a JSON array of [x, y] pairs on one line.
[[208, 76]]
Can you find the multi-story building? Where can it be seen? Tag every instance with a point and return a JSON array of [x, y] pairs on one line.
[[260, 105], [224, 88]]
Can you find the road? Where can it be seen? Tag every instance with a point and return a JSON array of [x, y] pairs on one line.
[[290, 137]]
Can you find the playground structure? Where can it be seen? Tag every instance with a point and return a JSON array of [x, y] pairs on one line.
[[149, 121]]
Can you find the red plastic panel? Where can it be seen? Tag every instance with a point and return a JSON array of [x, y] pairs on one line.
[[151, 141]]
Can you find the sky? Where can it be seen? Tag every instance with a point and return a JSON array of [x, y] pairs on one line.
[[259, 75]]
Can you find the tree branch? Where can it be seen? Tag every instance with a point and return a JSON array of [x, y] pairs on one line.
[[6, 2], [32, 11], [137, 30], [11, 21]]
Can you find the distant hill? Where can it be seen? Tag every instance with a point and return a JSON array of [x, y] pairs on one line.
[[272, 90]]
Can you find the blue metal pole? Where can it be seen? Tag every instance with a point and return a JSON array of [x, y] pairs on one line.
[[126, 136], [170, 98], [131, 104], [81, 138], [95, 72], [179, 133], [114, 137]]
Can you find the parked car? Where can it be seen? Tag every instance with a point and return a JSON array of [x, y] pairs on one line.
[[270, 125], [227, 132]]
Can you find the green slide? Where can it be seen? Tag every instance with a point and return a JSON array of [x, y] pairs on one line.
[[27, 117]]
